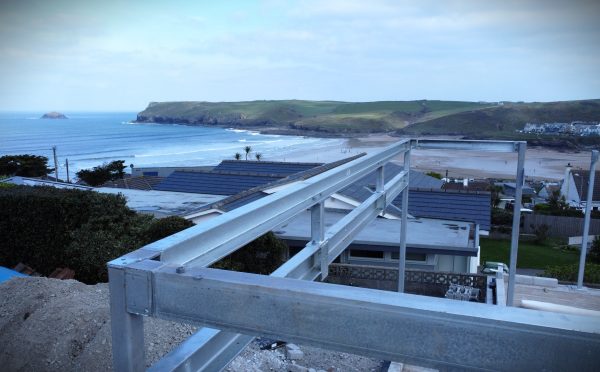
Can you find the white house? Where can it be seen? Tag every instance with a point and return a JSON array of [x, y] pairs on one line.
[[575, 187]]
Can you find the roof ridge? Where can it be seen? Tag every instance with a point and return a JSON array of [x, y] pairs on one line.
[[268, 162]]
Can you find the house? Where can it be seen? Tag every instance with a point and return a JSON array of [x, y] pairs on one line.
[[574, 188], [510, 189], [447, 214], [432, 244]]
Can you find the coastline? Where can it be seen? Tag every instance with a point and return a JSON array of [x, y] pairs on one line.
[[541, 163]]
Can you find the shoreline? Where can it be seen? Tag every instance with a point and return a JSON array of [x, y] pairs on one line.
[[541, 163]]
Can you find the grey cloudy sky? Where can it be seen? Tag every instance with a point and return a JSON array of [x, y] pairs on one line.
[[114, 55]]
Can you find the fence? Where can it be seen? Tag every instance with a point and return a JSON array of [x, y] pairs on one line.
[[428, 283], [559, 226]]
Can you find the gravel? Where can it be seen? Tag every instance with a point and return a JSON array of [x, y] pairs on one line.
[[64, 325]]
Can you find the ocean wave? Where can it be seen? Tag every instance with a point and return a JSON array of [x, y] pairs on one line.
[[236, 130]]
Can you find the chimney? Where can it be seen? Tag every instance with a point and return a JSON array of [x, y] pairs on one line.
[[567, 180]]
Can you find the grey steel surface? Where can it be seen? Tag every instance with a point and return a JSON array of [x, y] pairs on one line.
[[488, 146], [586, 223], [127, 328], [174, 292], [403, 232], [214, 239], [514, 241], [429, 331], [363, 188]]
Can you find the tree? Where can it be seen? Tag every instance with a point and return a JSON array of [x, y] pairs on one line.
[[237, 156], [103, 173], [495, 194], [594, 252], [258, 156], [434, 175], [557, 202], [261, 256], [247, 149], [25, 165]]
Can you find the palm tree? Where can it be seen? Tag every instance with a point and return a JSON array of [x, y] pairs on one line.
[[258, 156], [237, 156], [247, 149]]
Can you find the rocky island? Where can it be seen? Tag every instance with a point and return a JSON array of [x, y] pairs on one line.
[[53, 115]]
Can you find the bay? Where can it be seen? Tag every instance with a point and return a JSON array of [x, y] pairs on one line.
[[90, 139]]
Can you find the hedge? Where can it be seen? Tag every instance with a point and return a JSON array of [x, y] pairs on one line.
[[568, 273], [46, 228], [262, 256]]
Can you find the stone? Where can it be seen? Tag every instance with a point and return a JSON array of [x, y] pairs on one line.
[[297, 368], [395, 367]]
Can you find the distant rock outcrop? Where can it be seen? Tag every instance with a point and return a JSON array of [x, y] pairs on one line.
[[54, 115]]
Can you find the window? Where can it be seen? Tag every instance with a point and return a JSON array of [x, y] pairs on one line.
[[421, 257], [366, 254]]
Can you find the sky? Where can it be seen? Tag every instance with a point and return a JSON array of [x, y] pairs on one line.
[[120, 55]]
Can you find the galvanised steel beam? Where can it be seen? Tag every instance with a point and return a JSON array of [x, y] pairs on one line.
[[214, 239], [403, 226], [215, 349], [586, 223], [427, 331], [220, 340], [470, 145], [514, 239]]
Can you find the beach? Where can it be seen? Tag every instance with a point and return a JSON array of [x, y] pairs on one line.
[[540, 163]]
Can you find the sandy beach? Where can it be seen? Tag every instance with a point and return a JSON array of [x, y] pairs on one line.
[[540, 163]]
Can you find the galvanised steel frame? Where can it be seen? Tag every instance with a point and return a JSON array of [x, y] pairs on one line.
[[169, 279]]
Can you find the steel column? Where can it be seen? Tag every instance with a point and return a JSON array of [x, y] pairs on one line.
[[403, 225], [514, 242], [127, 329], [317, 234], [586, 224]]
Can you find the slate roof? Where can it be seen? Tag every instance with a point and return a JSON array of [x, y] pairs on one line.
[[363, 188], [450, 205], [215, 183], [582, 183], [280, 169]]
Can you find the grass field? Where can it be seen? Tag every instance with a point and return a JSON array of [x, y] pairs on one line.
[[530, 256]]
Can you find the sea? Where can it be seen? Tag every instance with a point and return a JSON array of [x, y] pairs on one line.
[[92, 139]]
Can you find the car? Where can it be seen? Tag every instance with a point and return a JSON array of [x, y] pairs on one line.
[[492, 267]]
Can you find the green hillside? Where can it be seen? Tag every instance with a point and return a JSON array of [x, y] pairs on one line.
[[506, 119], [423, 117], [321, 116]]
